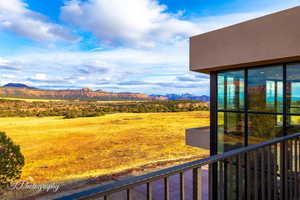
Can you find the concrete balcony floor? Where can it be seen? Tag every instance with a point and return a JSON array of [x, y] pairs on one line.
[[140, 192]]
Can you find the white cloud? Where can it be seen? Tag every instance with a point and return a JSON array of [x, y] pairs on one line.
[[3, 61], [143, 23], [131, 22], [17, 18], [160, 69], [41, 77], [8, 76], [9, 65], [192, 77], [154, 71]]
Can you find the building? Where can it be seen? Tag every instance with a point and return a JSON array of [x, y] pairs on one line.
[[254, 70]]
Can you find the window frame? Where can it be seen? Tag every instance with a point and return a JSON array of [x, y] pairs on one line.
[[285, 114]]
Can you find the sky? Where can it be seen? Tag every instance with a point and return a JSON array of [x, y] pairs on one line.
[[115, 45]]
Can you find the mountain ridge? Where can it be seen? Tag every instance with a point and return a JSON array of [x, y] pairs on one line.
[[18, 85], [20, 90], [185, 96]]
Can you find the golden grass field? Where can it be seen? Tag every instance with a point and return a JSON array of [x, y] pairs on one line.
[[57, 149]]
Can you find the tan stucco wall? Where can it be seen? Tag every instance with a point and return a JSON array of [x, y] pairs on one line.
[[270, 39]]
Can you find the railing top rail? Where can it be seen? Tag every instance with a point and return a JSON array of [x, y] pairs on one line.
[[150, 177]]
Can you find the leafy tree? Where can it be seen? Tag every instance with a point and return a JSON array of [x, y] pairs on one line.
[[11, 161]]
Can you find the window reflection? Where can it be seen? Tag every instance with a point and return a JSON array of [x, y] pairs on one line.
[[265, 89], [293, 124], [293, 88], [230, 131], [263, 127], [265, 105], [231, 90]]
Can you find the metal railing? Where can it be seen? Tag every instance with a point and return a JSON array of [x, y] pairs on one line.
[[269, 170]]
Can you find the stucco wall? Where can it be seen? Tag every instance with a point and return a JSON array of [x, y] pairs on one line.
[[270, 39]]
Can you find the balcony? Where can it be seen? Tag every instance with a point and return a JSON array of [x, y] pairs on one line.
[[198, 137], [270, 170]]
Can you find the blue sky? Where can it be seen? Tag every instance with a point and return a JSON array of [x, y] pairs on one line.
[[115, 45]]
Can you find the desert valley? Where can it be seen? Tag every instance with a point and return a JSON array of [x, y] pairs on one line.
[[75, 137]]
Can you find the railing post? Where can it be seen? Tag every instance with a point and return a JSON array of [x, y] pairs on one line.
[[295, 166], [129, 194], [213, 181], [256, 189], [283, 170], [241, 177], [262, 173], [181, 182], [298, 171], [167, 188], [269, 172], [149, 191], [249, 177], [275, 173], [197, 192]]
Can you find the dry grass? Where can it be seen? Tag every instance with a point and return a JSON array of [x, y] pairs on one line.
[[59, 149]]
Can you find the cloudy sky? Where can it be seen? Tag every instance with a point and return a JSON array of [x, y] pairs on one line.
[[115, 45]]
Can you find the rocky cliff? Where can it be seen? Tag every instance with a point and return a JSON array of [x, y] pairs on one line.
[[10, 90]]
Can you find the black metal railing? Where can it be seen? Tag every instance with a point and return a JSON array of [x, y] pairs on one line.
[[269, 170]]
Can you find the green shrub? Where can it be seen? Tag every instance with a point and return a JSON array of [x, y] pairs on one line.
[[11, 161]]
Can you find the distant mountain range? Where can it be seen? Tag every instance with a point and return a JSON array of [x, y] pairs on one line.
[[23, 91], [18, 85], [186, 96]]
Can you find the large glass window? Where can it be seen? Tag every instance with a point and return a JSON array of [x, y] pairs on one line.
[[293, 98], [265, 89], [293, 88], [263, 127], [264, 112], [251, 108], [230, 131], [231, 90], [293, 124]]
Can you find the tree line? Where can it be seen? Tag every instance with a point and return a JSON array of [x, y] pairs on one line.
[[74, 109]]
